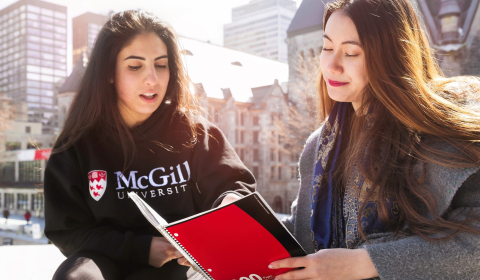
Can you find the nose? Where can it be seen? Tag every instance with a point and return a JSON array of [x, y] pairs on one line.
[[151, 77], [335, 66]]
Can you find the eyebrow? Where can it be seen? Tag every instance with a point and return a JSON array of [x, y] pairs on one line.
[[143, 58], [344, 43]]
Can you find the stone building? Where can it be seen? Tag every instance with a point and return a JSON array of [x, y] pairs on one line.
[[454, 27]]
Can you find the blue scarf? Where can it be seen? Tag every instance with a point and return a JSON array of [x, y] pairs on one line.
[[332, 216]]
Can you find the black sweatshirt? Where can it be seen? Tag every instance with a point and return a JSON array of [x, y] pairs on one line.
[[86, 203]]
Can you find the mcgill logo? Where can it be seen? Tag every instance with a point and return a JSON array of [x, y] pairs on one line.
[[153, 179]]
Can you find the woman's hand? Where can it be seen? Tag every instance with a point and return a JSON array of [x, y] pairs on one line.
[[328, 264], [161, 252], [229, 198]]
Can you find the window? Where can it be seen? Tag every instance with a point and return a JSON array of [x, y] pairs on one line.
[[31, 68], [242, 154], [33, 16], [272, 155], [29, 171], [256, 155], [242, 119], [27, 129], [255, 120], [293, 157], [46, 19], [7, 170], [38, 201], [31, 98], [272, 117], [22, 201], [280, 173], [60, 15], [242, 136], [279, 156], [9, 201], [255, 137], [47, 100], [272, 172], [47, 12], [236, 136], [10, 146], [47, 34], [293, 173]]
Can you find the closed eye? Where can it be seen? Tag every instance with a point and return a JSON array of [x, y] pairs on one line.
[[134, 68], [327, 50], [161, 66]]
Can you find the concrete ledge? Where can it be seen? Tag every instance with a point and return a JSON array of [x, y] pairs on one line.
[[25, 262]]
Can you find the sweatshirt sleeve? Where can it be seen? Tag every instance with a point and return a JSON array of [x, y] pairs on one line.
[[217, 170], [70, 223], [414, 258]]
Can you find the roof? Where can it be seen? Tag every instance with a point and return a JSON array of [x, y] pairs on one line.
[[211, 65], [72, 83], [309, 17]]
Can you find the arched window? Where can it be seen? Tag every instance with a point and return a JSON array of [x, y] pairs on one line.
[[312, 53]]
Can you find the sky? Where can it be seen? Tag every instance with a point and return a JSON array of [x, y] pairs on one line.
[[198, 19]]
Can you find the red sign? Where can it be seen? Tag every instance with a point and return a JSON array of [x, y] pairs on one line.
[[42, 154]]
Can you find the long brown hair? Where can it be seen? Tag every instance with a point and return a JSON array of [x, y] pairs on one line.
[[414, 106], [95, 103]]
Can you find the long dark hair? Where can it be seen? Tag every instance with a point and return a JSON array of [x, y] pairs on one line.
[[95, 103], [413, 105]]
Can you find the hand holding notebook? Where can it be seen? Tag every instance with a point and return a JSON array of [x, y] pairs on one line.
[[234, 241]]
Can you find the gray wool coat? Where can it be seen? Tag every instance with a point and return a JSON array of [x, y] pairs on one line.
[[409, 257]]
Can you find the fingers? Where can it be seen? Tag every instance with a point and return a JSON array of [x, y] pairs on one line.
[[288, 263], [183, 261], [297, 274]]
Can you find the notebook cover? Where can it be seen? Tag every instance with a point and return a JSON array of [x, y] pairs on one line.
[[237, 240]]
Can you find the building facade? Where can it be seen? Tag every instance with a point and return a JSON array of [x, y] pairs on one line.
[[21, 177], [85, 29], [259, 27], [33, 49]]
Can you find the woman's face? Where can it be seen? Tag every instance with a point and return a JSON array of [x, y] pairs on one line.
[[342, 61], [141, 78]]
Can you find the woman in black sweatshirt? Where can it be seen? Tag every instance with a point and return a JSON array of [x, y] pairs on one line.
[[134, 126]]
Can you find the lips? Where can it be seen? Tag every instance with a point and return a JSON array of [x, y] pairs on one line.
[[149, 97], [336, 83]]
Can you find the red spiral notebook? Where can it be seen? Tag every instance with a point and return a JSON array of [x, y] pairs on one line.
[[236, 241]]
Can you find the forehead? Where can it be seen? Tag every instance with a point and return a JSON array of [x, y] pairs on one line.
[[341, 28], [148, 44]]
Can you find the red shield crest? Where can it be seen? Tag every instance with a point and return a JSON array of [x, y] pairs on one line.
[[97, 183]]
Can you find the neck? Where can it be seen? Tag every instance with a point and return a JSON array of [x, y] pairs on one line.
[[132, 119]]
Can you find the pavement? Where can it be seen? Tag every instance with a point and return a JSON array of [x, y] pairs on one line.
[[29, 262], [16, 228]]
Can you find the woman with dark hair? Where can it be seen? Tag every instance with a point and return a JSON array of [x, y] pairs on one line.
[[135, 126], [390, 183]]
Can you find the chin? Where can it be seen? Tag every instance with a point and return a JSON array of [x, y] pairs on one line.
[[336, 96]]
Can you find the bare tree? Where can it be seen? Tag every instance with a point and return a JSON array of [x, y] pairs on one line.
[[7, 115], [301, 119]]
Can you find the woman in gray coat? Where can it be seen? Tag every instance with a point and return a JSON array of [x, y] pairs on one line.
[[390, 183]]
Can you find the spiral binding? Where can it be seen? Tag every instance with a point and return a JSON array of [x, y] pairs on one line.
[[189, 257]]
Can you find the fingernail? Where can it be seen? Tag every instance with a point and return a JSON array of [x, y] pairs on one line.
[[270, 266]]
